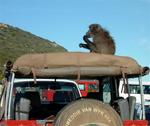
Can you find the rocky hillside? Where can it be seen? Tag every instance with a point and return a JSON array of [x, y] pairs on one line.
[[15, 42]]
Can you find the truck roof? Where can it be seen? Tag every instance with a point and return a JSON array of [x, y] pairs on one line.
[[72, 64]]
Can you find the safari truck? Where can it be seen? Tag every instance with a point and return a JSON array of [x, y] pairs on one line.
[[21, 105]]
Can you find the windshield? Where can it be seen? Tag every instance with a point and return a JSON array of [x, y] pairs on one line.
[[60, 92], [92, 87], [135, 89], [46, 97]]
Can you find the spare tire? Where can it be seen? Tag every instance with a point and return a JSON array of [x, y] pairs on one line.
[[87, 112]]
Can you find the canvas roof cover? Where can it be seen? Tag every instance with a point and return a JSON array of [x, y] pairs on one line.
[[73, 64]]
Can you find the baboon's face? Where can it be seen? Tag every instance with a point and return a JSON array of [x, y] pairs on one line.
[[93, 30]]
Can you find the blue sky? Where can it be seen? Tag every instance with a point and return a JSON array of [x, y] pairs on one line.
[[66, 21]]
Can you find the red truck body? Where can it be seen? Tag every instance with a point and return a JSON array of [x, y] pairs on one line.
[[86, 86], [21, 123], [34, 123]]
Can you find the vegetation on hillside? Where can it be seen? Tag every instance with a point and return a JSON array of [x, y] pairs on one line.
[[15, 42]]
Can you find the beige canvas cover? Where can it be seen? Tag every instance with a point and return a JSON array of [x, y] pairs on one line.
[[70, 64]]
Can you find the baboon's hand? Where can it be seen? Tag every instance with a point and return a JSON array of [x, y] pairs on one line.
[[80, 45], [86, 39]]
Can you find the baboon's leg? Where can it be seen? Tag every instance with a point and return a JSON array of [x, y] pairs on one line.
[[90, 44]]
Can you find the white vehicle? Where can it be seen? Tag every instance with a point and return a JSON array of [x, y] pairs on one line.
[[134, 90]]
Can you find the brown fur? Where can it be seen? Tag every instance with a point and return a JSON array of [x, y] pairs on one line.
[[102, 42]]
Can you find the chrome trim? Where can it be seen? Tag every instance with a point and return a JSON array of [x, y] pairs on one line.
[[10, 98], [142, 98], [7, 99]]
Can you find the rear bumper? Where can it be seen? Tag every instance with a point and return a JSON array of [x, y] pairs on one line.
[[22, 123], [135, 123]]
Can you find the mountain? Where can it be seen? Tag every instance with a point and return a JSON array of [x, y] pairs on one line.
[[15, 42]]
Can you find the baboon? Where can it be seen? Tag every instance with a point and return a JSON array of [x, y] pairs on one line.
[[102, 41]]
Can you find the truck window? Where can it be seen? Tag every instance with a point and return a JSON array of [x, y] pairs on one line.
[[134, 89], [46, 89], [106, 90], [45, 95], [81, 87], [110, 89], [92, 87], [146, 89]]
